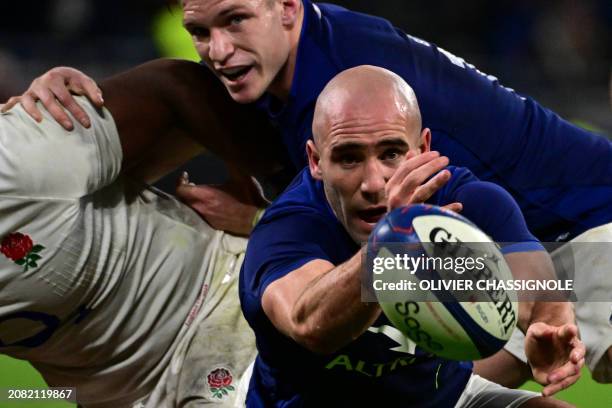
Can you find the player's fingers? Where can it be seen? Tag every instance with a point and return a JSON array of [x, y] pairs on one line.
[[552, 389], [28, 103], [185, 192], [578, 352], [411, 154], [13, 100], [568, 332], [66, 99], [182, 179], [420, 175], [47, 98], [91, 90], [425, 191], [411, 185], [456, 207], [412, 162], [578, 349], [566, 370], [540, 330]]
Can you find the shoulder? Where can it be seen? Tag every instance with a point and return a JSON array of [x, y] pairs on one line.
[[44, 160], [477, 196], [297, 221], [339, 26], [303, 196], [487, 205], [297, 228]]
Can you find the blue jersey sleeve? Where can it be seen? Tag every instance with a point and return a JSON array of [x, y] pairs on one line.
[[284, 244], [495, 212]]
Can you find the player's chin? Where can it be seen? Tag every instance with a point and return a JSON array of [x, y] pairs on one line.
[[361, 229], [248, 90], [243, 95]]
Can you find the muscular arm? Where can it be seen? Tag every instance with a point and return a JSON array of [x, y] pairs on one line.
[[319, 305], [537, 265], [163, 108]]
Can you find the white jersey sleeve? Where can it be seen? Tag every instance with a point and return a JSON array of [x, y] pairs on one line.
[[44, 160]]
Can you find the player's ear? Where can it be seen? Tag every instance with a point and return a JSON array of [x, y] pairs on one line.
[[290, 12], [425, 145], [313, 160]]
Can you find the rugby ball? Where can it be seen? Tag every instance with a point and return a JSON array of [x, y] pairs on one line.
[[433, 273]]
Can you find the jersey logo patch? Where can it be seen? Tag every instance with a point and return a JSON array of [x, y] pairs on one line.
[[20, 249], [220, 382]]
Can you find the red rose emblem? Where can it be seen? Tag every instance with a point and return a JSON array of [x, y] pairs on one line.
[[16, 246], [219, 378]]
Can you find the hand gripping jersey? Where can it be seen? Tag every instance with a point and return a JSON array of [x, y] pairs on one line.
[[98, 277], [560, 175], [379, 368]]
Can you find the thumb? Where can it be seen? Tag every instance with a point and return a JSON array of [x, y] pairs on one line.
[[184, 189], [568, 332]]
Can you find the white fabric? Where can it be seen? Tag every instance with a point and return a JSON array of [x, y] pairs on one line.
[[481, 393], [589, 256], [219, 339], [122, 268]]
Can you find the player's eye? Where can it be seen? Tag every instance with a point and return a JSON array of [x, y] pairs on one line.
[[348, 159], [392, 154], [237, 19], [199, 32]]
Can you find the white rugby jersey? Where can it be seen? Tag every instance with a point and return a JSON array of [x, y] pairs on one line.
[[97, 275]]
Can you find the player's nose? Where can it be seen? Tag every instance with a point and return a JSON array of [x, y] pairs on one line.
[[220, 46], [373, 181]]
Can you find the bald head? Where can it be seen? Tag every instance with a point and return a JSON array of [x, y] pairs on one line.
[[361, 92]]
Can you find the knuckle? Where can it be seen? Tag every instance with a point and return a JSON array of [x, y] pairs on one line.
[[65, 99], [44, 98], [29, 94], [49, 77]]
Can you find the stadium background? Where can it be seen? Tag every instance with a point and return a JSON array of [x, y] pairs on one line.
[[557, 51]]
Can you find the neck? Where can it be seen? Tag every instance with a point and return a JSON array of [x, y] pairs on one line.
[[281, 86]]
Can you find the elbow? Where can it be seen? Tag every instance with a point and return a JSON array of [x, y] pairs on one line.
[[315, 339], [312, 333]]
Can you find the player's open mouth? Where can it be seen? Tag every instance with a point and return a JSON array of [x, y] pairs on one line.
[[235, 74], [373, 214]]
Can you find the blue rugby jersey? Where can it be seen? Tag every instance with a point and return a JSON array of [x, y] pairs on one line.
[[560, 175], [299, 227]]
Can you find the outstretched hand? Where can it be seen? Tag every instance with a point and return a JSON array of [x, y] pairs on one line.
[[54, 90], [555, 354]]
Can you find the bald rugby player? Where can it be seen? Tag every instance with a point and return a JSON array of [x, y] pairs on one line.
[[319, 343], [112, 287]]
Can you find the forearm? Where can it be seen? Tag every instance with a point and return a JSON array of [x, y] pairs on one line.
[[538, 266], [329, 313], [156, 101], [553, 313]]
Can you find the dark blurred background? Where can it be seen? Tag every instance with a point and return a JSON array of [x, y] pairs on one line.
[[557, 51]]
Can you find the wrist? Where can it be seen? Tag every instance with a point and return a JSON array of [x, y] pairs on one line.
[[553, 313]]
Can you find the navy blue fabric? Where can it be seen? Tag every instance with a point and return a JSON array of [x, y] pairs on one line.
[[560, 175], [299, 227]]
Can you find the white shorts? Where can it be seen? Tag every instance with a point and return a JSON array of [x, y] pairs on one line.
[[484, 393], [212, 357], [592, 274]]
